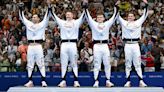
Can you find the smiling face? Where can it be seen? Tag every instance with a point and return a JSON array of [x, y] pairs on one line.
[[100, 18], [131, 17], [69, 15], [35, 18]]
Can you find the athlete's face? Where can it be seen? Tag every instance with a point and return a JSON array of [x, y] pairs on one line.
[[35, 18], [131, 17], [69, 16], [100, 18]]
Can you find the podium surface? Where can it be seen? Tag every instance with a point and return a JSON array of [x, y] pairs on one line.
[[86, 89]]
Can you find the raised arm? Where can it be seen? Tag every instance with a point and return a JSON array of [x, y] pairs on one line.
[[44, 22], [89, 18], [22, 16], [56, 18], [80, 20], [114, 17], [119, 18], [145, 13]]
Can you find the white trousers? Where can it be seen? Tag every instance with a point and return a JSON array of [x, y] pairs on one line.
[[101, 53], [35, 55], [133, 55], [68, 53]]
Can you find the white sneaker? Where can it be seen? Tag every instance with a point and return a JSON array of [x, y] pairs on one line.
[[62, 84], [127, 84], [44, 84], [29, 84], [96, 84], [142, 84], [109, 84], [76, 84]]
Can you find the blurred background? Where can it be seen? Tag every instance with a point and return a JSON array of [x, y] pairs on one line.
[[14, 45]]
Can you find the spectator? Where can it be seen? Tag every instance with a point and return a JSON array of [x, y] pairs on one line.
[[22, 49], [56, 65], [89, 39], [88, 54], [56, 38], [149, 60], [18, 62], [48, 55], [156, 50], [11, 27], [162, 60], [11, 50], [145, 47], [83, 62], [6, 22], [115, 54], [5, 64], [87, 51]]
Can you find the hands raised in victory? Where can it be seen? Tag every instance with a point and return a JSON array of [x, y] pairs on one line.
[[85, 4]]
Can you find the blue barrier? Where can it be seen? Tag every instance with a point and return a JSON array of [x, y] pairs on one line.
[[11, 79]]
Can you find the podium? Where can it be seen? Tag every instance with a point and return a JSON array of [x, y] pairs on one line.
[[85, 89]]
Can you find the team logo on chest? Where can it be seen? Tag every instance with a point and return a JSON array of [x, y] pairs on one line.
[[69, 24], [101, 26], [132, 25], [34, 27]]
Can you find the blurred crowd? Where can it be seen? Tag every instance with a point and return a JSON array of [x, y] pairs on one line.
[[14, 44]]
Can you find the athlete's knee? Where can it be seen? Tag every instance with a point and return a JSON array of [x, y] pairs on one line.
[[64, 65], [137, 66], [107, 66], [128, 67], [97, 67], [74, 64], [30, 67], [128, 64], [41, 66]]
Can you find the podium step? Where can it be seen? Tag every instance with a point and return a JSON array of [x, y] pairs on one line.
[[85, 89]]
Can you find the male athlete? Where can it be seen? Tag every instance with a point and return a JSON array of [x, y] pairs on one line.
[[69, 30], [131, 33], [35, 32], [100, 36]]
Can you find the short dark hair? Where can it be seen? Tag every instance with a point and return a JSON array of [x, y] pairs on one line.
[[69, 10], [100, 13], [36, 14], [132, 12]]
